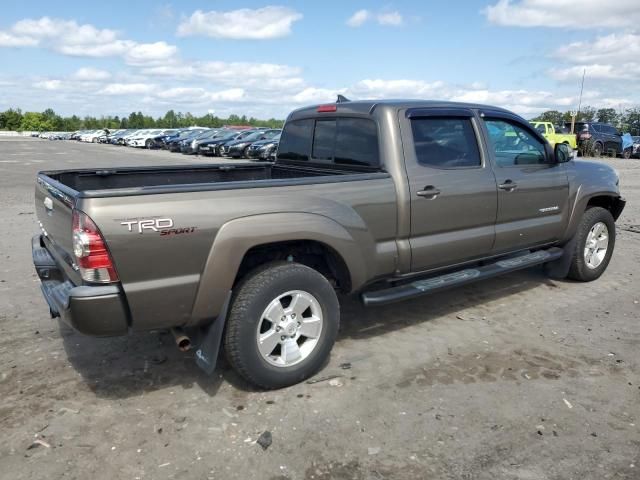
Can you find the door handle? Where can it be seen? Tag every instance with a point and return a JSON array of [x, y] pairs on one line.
[[508, 185], [429, 192]]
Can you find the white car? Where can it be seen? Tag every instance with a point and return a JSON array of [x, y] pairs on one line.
[[143, 138], [91, 136]]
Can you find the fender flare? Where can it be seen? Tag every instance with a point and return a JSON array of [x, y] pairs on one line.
[[236, 237], [580, 206]]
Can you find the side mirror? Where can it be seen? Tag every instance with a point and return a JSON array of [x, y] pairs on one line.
[[563, 153]]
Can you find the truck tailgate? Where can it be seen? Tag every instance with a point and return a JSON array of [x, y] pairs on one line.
[[54, 209]]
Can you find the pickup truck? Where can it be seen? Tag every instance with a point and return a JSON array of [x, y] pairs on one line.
[[548, 131], [387, 200]]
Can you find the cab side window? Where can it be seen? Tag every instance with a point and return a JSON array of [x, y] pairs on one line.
[[445, 142], [513, 145]]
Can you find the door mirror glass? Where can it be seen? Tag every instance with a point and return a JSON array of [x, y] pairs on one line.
[[563, 153]]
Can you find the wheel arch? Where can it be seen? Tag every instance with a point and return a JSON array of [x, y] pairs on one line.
[[241, 243]]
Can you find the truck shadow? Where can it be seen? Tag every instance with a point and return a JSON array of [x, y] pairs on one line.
[[123, 367]]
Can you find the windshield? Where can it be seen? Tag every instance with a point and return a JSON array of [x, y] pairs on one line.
[[253, 136]]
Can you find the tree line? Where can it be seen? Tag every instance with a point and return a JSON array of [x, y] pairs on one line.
[[50, 121], [627, 121]]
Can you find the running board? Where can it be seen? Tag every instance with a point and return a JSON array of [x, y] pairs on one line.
[[459, 278]]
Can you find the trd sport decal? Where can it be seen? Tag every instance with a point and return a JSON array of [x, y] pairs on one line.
[[158, 225]]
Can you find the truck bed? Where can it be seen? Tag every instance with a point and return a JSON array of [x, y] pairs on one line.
[[140, 180]]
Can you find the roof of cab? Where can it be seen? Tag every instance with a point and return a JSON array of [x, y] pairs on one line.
[[361, 107]]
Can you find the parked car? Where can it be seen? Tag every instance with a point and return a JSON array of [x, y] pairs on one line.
[[159, 141], [553, 135], [264, 149], [192, 146], [239, 148], [118, 137], [598, 138], [175, 144], [223, 148], [212, 147], [143, 138], [91, 136], [636, 147], [384, 200]]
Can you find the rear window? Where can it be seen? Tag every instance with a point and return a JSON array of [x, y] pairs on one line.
[[296, 140], [341, 141], [445, 142]]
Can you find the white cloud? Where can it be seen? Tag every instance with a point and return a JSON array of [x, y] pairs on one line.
[[230, 95], [314, 95], [90, 74], [359, 18], [377, 88], [127, 89], [245, 23], [147, 53], [576, 14], [624, 71], [393, 19], [48, 84], [385, 18], [612, 58], [13, 40], [70, 38], [264, 75], [613, 48]]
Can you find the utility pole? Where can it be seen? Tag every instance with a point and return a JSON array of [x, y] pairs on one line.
[[573, 117]]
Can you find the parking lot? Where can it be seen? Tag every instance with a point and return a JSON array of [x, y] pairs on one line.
[[519, 377]]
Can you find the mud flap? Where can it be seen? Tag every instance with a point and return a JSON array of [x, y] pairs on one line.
[[207, 353], [559, 269]]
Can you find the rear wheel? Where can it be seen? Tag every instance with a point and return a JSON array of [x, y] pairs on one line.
[[627, 153], [596, 238], [148, 144], [282, 324], [597, 149]]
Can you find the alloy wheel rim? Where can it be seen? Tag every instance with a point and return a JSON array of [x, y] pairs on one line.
[[596, 245], [289, 329]]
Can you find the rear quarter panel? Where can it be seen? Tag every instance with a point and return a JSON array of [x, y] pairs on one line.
[[161, 274]]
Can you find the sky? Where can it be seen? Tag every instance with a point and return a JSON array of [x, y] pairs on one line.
[[263, 59]]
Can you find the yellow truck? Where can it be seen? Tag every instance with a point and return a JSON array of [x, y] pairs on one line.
[[548, 131]]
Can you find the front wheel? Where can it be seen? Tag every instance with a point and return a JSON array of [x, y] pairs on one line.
[[282, 324], [596, 237]]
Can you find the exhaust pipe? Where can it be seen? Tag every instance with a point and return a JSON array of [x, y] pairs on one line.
[[182, 339]]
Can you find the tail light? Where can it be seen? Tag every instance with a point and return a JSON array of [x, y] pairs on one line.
[[90, 250]]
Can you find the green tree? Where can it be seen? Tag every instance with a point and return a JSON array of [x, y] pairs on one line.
[[11, 119], [607, 115], [586, 114], [630, 121], [35, 122], [553, 116]]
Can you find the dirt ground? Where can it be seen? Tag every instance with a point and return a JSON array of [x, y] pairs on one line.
[[519, 377]]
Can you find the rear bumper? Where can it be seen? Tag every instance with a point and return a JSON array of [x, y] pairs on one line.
[[92, 310]]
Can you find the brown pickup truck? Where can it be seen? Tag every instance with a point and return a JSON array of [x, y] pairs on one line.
[[387, 200]]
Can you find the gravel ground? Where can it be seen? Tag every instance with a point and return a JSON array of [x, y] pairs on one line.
[[518, 377]]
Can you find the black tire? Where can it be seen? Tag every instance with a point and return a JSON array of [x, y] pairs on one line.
[[250, 300], [627, 153], [149, 144], [579, 269], [597, 149], [245, 153]]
